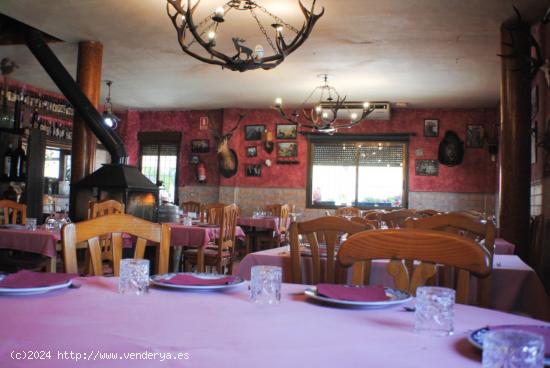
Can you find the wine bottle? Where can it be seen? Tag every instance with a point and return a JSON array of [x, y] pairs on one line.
[[6, 169], [17, 112], [18, 162]]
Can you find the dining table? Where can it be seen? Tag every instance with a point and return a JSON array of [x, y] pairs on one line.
[[39, 241], [195, 236], [95, 326], [515, 286], [254, 224]]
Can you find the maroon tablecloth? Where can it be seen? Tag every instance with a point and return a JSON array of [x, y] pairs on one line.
[[40, 241], [196, 236], [271, 223]]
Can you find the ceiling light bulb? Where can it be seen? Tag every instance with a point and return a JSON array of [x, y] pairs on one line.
[[278, 101], [219, 12], [318, 108], [108, 121], [353, 116], [325, 115], [366, 105], [211, 35]]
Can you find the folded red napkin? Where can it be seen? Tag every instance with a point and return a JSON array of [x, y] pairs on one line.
[[30, 279], [191, 280], [352, 292], [543, 330]]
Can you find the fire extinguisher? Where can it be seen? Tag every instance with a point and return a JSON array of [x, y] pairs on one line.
[[201, 172]]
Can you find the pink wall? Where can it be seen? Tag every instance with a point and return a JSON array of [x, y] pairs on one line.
[[476, 174]]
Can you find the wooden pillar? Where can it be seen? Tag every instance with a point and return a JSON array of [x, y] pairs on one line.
[[90, 55], [515, 161]]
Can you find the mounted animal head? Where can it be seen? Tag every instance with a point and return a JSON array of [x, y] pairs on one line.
[[227, 158]]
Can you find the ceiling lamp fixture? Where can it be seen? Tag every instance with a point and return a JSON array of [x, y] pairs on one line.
[[110, 119], [206, 33], [329, 112]]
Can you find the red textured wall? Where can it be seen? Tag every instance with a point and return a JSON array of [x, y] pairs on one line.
[[476, 173]]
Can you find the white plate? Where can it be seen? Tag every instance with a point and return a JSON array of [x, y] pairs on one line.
[[396, 297], [157, 280], [476, 338], [31, 291]]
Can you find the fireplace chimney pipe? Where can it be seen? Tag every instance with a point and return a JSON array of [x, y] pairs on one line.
[[74, 94]]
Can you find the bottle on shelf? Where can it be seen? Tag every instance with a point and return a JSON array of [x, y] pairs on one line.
[[6, 162], [18, 168], [17, 111], [5, 117]]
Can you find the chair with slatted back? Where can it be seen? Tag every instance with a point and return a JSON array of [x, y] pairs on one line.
[[428, 248], [211, 212], [279, 237], [222, 253], [191, 206], [103, 208], [372, 224], [395, 219], [426, 213], [348, 211], [322, 234], [90, 231], [13, 212], [463, 224]]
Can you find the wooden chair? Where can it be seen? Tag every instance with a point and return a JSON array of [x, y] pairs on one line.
[[426, 213], [191, 206], [396, 218], [103, 208], [18, 212], [463, 224], [211, 212], [274, 239], [429, 247], [221, 254], [348, 211], [90, 231], [372, 224], [327, 230]]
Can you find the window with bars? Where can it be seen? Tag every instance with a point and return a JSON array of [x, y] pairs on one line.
[[364, 174], [159, 163]]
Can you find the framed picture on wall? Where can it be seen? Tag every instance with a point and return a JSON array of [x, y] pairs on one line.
[[253, 170], [431, 128], [287, 149], [251, 151], [254, 132], [427, 168], [200, 146], [287, 131], [474, 135]]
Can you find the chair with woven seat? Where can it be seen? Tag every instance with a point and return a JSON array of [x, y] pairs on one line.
[[428, 248], [90, 231], [322, 234], [13, 212], [348, 211], [479, 230], [221, 253], [395, 219], [279, 237]]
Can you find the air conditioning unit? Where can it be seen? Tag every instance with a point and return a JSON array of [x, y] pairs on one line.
[[381, 110]]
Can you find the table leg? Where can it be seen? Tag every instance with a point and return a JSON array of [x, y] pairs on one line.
[[200, 259], [176, 258], [52, 265]]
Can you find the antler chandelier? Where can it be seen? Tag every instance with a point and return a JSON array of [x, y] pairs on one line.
[[322, 115], [199, 38]]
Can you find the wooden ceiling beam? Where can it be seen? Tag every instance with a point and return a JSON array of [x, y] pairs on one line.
[[12, 32]]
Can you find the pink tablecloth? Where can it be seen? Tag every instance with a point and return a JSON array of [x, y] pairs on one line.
[[196, 236], [224, 329], [39, 241], [271, 223], [515, 286], [504, 247]]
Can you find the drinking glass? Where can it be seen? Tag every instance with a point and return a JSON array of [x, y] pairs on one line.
[[31, 224], [134, 276], [434, 310], [265, 284], [513, 349]]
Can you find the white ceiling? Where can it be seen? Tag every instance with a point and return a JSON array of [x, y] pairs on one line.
[[426, 53]]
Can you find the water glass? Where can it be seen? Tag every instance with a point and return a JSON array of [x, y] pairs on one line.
[[134, 276], [513, 349], [434, 311], [187, 221], [265, 284], [31, 224]]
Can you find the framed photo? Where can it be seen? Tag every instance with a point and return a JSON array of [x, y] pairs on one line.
[[287, 131], [287, 150], [474, 135], [431, 128], [253, 170], [427, 168], [251, 151], [200, 145], [253, 132]]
